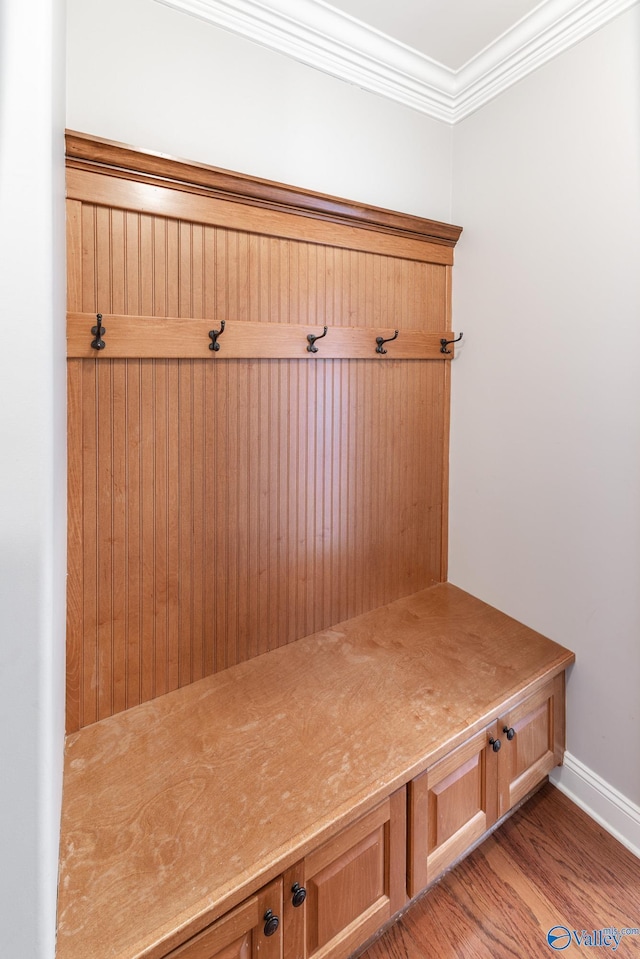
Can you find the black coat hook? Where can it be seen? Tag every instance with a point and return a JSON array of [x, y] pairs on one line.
[[312, 348], [444, 343], [98, 330], [214, 334], [380, 348]]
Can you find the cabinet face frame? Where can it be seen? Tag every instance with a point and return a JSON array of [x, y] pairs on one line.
[[293, 917], [240, 934], [451, 805]]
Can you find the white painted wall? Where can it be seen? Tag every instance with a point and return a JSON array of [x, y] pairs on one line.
[[545, 452], [144, 74], [32, 474]]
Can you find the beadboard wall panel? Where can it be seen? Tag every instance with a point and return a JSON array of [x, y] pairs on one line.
[[153, 266], [219, 508]]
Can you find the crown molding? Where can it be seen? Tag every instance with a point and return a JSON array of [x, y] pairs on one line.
[[321, 36], [546, 32]]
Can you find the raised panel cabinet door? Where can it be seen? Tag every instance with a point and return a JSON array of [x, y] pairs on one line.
[[247, 932], [451, 805], [532, 735], [356, 881]]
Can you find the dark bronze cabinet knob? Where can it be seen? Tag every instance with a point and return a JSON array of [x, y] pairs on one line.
[[510, 731], [271, 923], [495, 744], [299, 894]]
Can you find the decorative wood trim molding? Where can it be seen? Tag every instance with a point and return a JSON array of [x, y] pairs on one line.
[[93, 154], [146, 195], [323, 37]]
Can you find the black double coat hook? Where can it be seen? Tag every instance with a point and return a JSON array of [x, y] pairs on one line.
[[213, 335], [312, 348], [379, 340], [444, 343]]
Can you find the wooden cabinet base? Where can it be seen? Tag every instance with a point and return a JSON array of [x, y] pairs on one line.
[[353, 885], [356, 765], [244, 933], [457, 800]]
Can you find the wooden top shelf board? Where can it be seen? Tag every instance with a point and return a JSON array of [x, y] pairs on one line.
[[175, 808]]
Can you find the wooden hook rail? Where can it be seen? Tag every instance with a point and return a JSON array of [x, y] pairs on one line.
[[176, 337]]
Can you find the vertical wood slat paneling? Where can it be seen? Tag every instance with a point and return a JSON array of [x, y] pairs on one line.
[[76, 632], [133, 527], [88, 443], [221, 509]]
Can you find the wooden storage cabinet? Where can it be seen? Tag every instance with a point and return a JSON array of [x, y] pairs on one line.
[[243, 933], [354, 883], [455, 801], [368, 768]]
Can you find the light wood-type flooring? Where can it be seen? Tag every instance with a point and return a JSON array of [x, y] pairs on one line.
[[548, 865]]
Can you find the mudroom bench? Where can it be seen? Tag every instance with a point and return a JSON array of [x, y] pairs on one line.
[[288, 807]]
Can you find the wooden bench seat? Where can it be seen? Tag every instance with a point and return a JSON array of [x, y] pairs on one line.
[[177, 810]]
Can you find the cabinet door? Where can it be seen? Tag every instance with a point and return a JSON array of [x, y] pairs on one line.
[[536, 727], [241, 933], [356, 881], [451, 805]]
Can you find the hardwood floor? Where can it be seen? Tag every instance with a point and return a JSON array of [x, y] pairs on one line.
[[548, 865]]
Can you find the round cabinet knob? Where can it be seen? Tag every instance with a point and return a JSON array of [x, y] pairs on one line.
[[271, 923], [299, 894], [495, 745], [510, 731]]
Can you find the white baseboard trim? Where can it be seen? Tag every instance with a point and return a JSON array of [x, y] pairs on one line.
[[613, 811]]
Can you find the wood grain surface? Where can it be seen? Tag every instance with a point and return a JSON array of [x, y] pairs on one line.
[[85, 152], [175, 809], [150, 198], [221, 509], [148, 337]]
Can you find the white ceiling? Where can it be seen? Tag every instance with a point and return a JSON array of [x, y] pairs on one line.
[[451, 32], [445, 58]]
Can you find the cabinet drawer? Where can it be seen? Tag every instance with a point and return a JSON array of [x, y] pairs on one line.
[[241, 933]]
